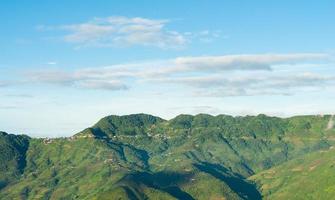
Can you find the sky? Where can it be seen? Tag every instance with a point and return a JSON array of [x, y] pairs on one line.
[[66, 64]]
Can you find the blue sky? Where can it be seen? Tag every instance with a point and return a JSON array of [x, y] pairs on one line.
[[66, 64]]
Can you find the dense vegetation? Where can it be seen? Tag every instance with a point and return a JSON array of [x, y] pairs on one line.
[[307, 177], [189, 157]]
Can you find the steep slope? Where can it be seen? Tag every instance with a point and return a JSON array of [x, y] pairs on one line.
[[308, 177], [85, 168], [12, 157], [73, 168]]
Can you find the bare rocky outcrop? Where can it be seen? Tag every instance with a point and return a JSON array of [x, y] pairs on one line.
[[331, 123]]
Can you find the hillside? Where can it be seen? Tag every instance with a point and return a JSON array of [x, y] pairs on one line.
[[12, 157], [145, 157], [308, 177]]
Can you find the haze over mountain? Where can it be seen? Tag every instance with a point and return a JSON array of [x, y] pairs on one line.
[[188, 157]]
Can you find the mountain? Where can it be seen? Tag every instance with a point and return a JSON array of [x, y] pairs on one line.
[[189, 157]]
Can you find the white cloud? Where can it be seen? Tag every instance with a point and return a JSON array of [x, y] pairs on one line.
[[242, 62], [8, 107], [103, 84], [52, 76], [207, 36], [51, 63], [19, 95], [121, 31], [229, 75], [255, 84], [5, 83], [81, 78], [124, 31]]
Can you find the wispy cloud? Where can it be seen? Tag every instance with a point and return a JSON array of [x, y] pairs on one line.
[[103, 84], [51, 63], [121, 31], [19, 95], [4, 83], [241, 62], [229, 75], [52, 76], [255, 84], [187, 65], [205, 36], [78, 78], [8, 107]]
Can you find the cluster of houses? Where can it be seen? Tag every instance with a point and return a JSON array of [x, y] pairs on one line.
[[109, 161], [48, 140], [162, 136], [158, 136], [72, 138]]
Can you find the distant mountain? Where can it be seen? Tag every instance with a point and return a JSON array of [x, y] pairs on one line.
[[189, 157]]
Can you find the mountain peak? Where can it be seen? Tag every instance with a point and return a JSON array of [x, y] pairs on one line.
[[133, 124], [3, 133]]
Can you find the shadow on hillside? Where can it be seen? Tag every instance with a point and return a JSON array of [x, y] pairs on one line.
[[130, 193], [3, 184], [168, 182], [236, 182]]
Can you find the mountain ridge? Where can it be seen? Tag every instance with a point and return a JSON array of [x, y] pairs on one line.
[[141, 156]]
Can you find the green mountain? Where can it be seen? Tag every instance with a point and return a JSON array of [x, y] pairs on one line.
[[189, 157]]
